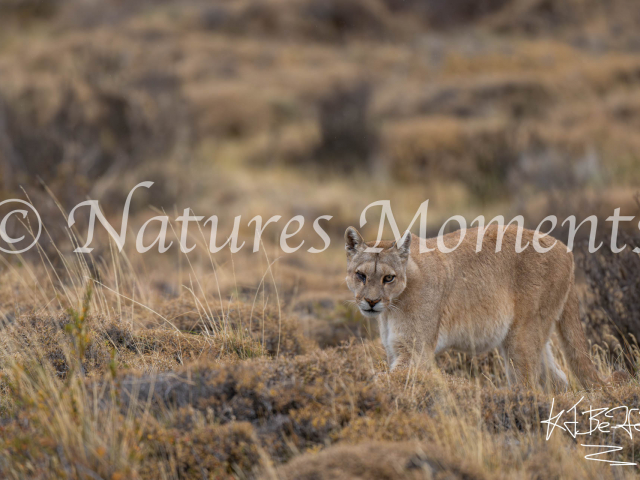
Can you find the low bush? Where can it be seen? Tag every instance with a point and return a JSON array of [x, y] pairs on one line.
[[612, 314]]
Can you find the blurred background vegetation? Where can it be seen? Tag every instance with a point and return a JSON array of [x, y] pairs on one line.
[[471, 103], [319, 107]]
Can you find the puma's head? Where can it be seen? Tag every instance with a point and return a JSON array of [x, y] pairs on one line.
[[376, 279]]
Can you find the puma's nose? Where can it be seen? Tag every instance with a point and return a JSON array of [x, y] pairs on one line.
[[372, 303]]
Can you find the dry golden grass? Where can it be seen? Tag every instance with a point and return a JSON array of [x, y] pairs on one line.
[[251, 365], [187, 386]]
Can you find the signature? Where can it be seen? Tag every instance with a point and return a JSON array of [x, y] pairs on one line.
[[600, 420]]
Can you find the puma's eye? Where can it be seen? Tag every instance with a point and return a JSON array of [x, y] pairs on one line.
[[389, 278], [361, 276]]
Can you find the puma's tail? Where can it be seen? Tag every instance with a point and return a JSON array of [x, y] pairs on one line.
[[576, 348], [574, 344]]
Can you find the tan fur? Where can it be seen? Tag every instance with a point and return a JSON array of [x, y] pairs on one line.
[[474, 302]]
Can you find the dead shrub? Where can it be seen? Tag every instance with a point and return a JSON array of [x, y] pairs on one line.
[[229, 111], [447, 13], [319, 20], [275, 333], [297, 400], [159, 348], [333, 325], [25, 10], [348, 137], [71, 134], [515, 96], [339, 19], [410, 460], [612, 316], [543, 16], [201, 451], [42, 339], [480, 154]]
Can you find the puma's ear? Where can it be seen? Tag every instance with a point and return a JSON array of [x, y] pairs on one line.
[[353, 241], [405, 246]]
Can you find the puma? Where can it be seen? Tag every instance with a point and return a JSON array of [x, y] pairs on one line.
[[473, 302]]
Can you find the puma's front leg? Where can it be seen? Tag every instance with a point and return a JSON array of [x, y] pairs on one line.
[[383, 327], [410, 347], [415, 354]]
